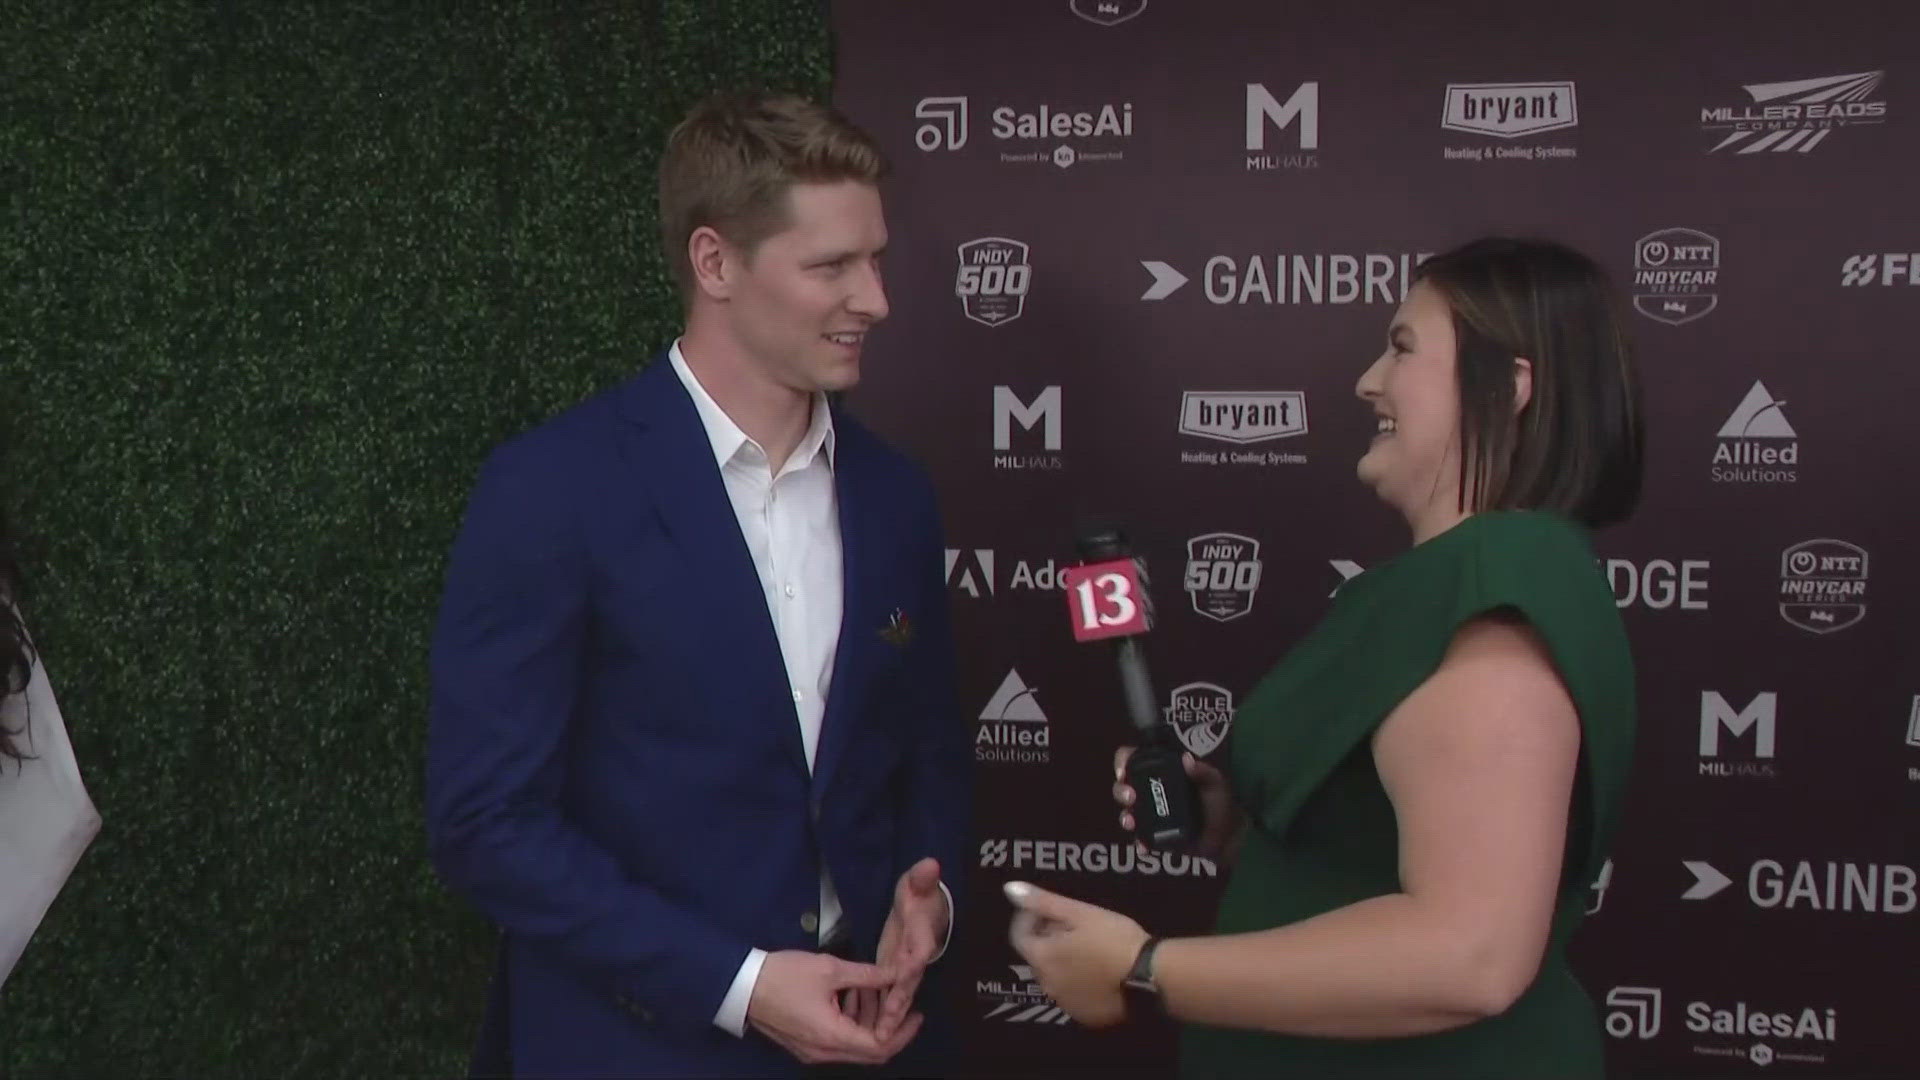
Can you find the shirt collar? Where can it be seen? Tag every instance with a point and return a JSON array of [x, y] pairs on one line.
[[725, 436]]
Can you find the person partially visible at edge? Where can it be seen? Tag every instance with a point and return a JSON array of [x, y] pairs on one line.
[[693, 744], [47, 819], [1419, 792]]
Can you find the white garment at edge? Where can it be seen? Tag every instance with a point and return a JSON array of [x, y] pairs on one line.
[[46, 818]]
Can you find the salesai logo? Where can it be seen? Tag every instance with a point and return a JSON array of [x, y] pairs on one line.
[[1743, 1022], [1675, 275], [1757, 445], [1633, 1012], [993, 280], [1013, 727], [1099, 130], [1797, 115], [946, 123], [1201, 714], [1092, 857], [1223, 574]]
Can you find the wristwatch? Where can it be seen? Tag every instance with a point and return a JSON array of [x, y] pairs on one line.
[[1140, 984]]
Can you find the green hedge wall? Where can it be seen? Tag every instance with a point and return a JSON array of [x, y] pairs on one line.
[[275, 275]]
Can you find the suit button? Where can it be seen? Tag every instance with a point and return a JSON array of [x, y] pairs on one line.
[[810, 922]]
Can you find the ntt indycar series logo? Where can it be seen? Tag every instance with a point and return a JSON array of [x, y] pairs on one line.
[[1092, 857], [1676, 275]]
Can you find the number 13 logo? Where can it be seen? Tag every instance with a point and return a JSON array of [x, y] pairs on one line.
[[1106, 600]]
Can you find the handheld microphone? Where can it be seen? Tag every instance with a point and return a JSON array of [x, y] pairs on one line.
[[1107, 596]]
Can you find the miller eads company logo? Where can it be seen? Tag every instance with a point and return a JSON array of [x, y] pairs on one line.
[[1797, 115]]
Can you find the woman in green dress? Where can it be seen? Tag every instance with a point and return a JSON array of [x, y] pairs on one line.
[[1419, 792]]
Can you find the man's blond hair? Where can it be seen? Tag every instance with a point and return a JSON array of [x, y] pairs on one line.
[[731, 162]]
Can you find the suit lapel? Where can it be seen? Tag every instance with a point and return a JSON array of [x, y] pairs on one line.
[[667, 449], [862, 512]]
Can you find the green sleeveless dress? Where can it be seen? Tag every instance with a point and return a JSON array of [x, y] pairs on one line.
[[1321, 830]]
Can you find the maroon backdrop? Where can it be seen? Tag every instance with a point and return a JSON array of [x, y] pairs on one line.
[[1141, 252]]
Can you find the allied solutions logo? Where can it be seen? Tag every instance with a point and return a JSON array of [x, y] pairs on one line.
[[1823, 585], [1201, 714], [1065, 136], [1013, 727], [1223, 574], [1019, 1000], [1889, 268], [1242, 418], [1043, 412], [1295, 124], [993, 280], [1676, 273], [1795, 116], [1757, 445], [1759, 717], [1509, 111]]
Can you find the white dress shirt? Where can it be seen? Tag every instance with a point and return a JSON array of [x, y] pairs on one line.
[[791, 524]]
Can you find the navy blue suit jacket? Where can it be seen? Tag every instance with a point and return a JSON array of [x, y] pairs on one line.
[[615, 775]]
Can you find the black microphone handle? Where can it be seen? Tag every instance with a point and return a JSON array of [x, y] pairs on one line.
[[1136, 686], [1166, 810]]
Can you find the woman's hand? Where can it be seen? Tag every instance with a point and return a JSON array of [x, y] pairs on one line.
[[1080, 953], [1221, 822]]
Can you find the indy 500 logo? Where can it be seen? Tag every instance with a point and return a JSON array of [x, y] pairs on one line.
[[993, 280]]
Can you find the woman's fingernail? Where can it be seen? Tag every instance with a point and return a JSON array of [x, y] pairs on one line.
[[1017, 890]]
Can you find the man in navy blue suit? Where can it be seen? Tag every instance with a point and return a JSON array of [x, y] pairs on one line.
[[693, 743]]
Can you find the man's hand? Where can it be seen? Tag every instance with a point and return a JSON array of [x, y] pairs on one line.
[[915, 927], [796, 1004]]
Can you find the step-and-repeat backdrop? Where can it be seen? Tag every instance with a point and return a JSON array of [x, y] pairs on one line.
[[1143, 250]]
